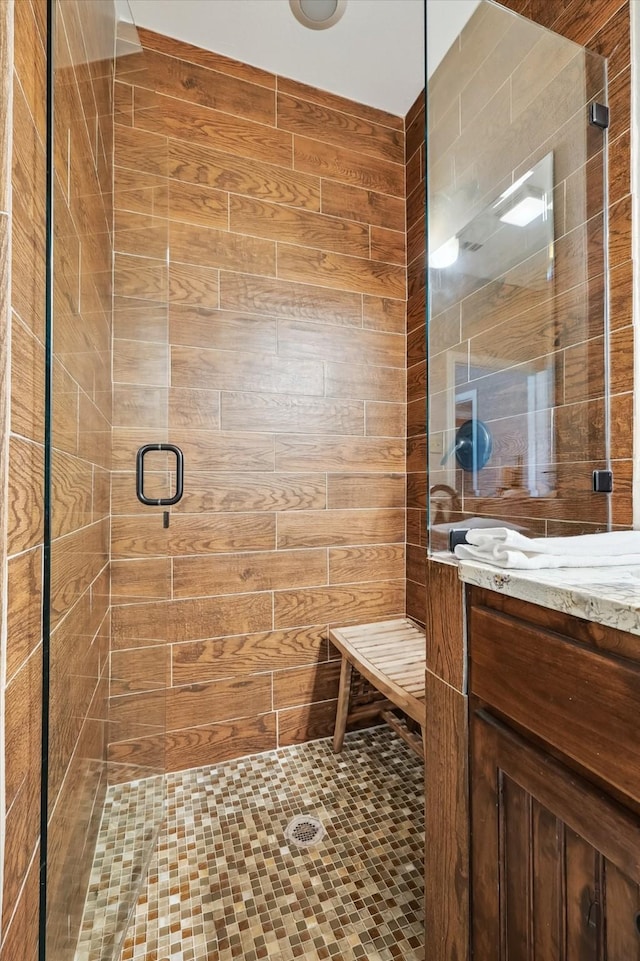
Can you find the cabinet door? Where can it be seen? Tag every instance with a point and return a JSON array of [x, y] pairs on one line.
[[555, 862]]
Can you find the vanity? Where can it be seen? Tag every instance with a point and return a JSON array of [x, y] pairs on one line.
[[552, 767]]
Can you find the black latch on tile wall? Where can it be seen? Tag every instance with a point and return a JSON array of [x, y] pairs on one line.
[[602, 481], [598, 115]]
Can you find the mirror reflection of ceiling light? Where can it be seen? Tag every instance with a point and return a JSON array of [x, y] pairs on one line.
[[445, 255], [526, 207], [318, 14], [514, 186]]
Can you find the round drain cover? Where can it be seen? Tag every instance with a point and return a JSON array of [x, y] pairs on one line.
[[304, 831]]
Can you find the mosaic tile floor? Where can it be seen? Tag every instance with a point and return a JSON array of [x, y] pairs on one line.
[[132, 814], [226, 884]]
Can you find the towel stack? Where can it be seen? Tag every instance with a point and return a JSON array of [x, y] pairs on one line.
[[510, 549]]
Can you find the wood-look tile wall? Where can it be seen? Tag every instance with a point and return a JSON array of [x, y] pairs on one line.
[[80, 503], [22, 287], [500, 323], [271, 349]]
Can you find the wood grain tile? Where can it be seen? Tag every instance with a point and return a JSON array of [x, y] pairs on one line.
[[123, 103], [206, 617], [242, 573], [205, 58], [140, 150], [358, 490], [382, 384], [378, 209], [195, 204], [382, 313], [303, 341], [277, 222], [336, 527], [213, 743], [140, 235], [137, 320], [304, 685], [191, 284], [385, 420], [247, 654], [337, 270], [79, 557], [24, 614], [348, 565], [224, 370], [71, 493], [337, 454], [299, 724], [197, 704], [241, 492], [25, 496], [138, 363], [227, 451], [202, 85], [242, 175], [290, 413], [186, 121], [141, 578], [218, 248], [194, 619], [27, 377], [195, 326], [198, 409], [325, 123], [279, 298], [304, 91], [336, 604], [347, 166], [140, 278], [139, 406], [192, 534], [388, 246]]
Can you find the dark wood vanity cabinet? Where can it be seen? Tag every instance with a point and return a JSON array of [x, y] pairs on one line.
[[555, 785]]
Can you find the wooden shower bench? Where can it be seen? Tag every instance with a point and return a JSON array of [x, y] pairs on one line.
[[391, 655]]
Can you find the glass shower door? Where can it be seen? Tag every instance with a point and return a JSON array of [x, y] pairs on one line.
[[103, 778], [517, 280]]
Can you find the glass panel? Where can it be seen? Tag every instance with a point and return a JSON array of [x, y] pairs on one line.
[[516, 278], [107, 711]]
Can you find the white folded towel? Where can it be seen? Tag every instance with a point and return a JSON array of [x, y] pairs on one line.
[[507, 548]]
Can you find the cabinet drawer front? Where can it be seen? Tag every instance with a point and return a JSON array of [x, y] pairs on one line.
[[580, 702]]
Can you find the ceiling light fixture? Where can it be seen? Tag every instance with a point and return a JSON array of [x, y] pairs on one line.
[[318, 14]]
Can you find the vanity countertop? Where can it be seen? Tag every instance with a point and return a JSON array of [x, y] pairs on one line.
[[606, 595]]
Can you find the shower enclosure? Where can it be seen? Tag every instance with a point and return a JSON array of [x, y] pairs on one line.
[[253, 318], [89, 689], [517, 281]]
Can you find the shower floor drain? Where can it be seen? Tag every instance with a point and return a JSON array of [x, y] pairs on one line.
[[304, 831]]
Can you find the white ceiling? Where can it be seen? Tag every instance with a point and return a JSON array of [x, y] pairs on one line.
[[374, 54], [445, 20]]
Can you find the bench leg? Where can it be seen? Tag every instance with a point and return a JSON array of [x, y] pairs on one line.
[[343, 704]]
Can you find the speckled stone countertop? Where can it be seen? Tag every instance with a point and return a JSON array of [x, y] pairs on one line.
[[606, 595]]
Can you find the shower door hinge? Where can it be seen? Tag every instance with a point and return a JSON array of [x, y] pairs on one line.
[[457, 536], [598, 115], [602, 481]]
